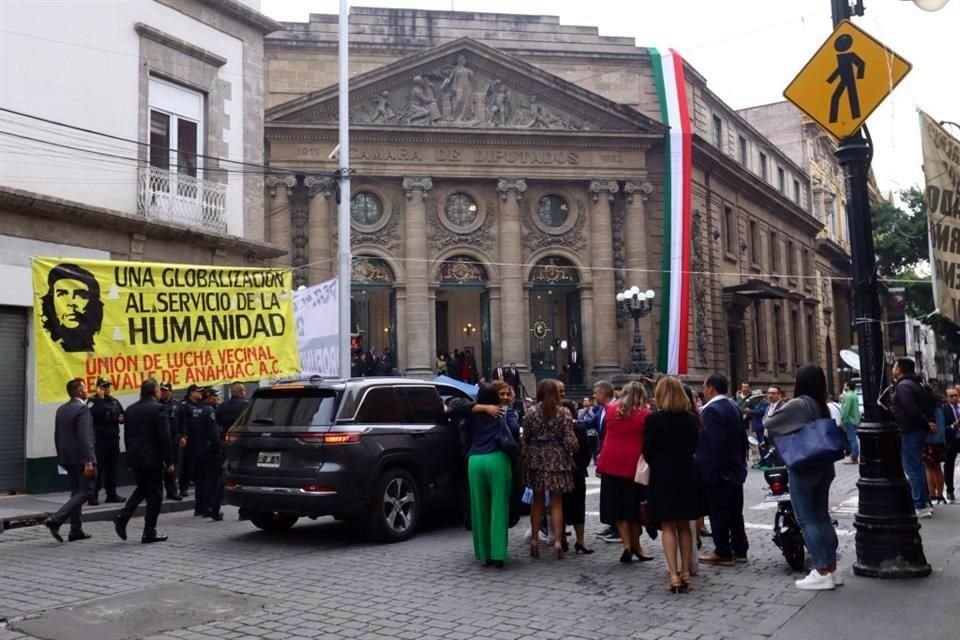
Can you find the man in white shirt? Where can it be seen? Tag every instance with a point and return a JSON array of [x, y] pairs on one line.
[[775, 398]]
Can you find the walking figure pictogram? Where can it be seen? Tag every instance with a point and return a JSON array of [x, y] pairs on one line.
[[846, 63]]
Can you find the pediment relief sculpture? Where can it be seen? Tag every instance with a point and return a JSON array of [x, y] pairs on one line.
[[459, 95]]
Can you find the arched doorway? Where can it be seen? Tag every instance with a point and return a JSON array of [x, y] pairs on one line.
[[554, 316], [373, 310], [462, 311]]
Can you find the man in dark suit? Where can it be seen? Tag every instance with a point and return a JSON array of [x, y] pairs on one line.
[[498, 373], [228, 412], [951, 411], [512, 378], [721, 456], [471, 371], [74, 440], [575, 366], [149, 453]]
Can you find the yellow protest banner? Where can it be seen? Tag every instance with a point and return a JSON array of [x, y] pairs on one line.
[[183, 324]]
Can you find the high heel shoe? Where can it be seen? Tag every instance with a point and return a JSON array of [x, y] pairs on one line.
[[627, 556], [558, 551], [685, 579], [676, 585], [641, 557], [579, 548], [534, 549]]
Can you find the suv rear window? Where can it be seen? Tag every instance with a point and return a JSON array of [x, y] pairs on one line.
[[291, 408]]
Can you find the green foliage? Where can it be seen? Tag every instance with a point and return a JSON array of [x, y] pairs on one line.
[[900, 235], [901, 239]]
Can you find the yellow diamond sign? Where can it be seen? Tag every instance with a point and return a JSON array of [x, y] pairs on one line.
[[846, 79]]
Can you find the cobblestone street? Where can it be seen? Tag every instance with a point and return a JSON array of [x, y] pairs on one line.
[[217, 580]]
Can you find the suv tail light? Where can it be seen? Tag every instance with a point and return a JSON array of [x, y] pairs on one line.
[[317, 488], [328, 438], [231, 437]]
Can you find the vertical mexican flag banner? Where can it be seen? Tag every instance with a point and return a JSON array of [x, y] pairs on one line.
[[178, 323], [675, 113]]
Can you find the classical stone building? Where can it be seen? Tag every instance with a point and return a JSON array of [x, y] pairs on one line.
[[509, 181]]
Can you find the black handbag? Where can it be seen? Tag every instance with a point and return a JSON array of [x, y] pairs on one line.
[[506, 442]]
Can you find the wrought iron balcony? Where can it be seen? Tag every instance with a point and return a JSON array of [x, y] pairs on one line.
[[176, 197]]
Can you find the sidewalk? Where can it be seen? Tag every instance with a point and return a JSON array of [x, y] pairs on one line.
[[870, 608], [31, 510]]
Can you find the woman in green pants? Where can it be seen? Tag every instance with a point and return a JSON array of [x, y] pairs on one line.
[[490, 477]]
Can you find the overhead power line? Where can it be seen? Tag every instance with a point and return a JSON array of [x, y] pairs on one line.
[[261, 167]]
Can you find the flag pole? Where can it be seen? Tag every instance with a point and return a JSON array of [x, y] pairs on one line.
[[343, 195]]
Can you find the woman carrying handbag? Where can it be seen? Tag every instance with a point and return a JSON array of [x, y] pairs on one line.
[[799, 434], [621, 497]]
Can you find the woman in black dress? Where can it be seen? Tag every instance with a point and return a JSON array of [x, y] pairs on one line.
[[673, 495], [574, 503]]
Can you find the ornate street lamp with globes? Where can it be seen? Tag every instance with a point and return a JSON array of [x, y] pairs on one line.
[[638, 304]]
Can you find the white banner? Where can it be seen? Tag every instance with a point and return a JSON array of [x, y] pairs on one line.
[[941, 167], [316, 315]]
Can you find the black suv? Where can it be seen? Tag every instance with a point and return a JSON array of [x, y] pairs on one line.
[[375, 450]]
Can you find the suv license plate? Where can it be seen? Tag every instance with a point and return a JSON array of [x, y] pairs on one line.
[[783, 497], [268, 459]]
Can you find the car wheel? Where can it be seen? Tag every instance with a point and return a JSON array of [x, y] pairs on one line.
[[395, 511], [273, 521]]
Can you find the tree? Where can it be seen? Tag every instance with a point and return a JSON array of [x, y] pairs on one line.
[[901, 238], [901, 235]]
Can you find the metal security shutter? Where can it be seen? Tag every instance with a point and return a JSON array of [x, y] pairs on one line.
[[13, 354]]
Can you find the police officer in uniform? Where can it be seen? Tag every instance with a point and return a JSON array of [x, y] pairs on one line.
[[205, 443], [187, 412], [107, 414], [172, 414]]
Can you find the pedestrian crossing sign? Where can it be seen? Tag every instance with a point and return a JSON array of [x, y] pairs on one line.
[[846, 79]]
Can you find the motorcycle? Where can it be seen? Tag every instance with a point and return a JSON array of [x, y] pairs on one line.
[[786, 529]]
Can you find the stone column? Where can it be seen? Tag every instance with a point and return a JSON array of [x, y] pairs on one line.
[[637, 254], [635, 237], [319, 253], [493, 290], [432, 314], [278, 215], [419, 363], [587, 334], [605, 343], [513, 329], [400, 296]]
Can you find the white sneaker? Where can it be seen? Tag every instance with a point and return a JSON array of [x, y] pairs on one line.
[[925, 513], [816, 582]]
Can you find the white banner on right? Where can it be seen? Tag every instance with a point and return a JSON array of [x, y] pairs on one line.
[[318, 330], [941, 168]]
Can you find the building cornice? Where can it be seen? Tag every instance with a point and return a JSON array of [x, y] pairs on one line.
[[51, 207], [173, 42], [244, 14], [838, 256]]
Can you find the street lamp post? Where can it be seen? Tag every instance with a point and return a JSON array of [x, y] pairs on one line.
[[888, 540], [638, 304]]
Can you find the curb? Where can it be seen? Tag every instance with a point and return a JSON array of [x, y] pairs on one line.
[[95, 514]]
